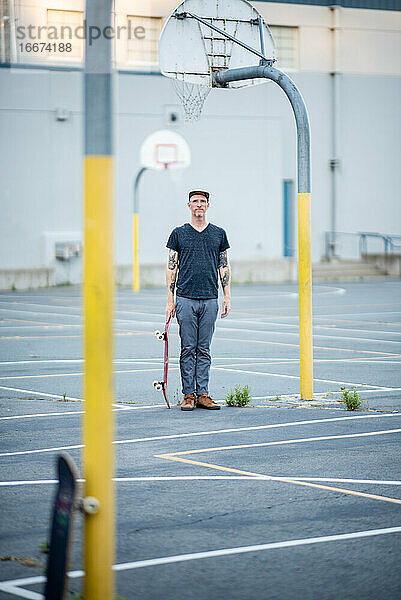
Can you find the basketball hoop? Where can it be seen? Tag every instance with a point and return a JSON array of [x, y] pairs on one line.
[[192, 97], [202, 38], [166, 154], [165, 150]]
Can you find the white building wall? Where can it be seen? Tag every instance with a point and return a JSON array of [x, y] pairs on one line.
[[242, 150]]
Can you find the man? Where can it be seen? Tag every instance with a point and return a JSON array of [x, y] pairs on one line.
[[198, 252]]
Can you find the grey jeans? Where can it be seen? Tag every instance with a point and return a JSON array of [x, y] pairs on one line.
[[196, 319]]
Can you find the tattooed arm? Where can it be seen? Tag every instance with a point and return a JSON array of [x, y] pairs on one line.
[[225, 278], [171, 278]]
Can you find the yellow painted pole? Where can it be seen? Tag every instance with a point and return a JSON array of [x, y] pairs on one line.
[[305, 296], [98, 422], [135, 274]]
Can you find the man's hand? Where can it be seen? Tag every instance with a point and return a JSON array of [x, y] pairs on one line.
[[225, 308], [170, 310]]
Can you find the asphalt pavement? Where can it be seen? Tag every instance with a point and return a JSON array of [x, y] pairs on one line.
[[284, 498]]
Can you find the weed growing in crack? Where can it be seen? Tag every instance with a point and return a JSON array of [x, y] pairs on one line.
[[351, 399], [240, 396]]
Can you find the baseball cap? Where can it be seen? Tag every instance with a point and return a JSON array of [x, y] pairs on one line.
[[198, 192]]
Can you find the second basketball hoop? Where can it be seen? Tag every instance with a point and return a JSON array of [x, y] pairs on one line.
[[165, 149]]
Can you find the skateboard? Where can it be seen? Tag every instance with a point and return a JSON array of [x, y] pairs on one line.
[[65, 501], [163, 336]]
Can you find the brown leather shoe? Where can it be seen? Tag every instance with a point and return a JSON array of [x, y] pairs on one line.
[[189, 402], [205, 401]]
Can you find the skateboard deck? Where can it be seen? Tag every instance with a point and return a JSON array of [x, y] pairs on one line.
[[163, 336], [65, 501]]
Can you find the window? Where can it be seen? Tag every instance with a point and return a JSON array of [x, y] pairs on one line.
[[143, 40], [62, 28], [286, 41]]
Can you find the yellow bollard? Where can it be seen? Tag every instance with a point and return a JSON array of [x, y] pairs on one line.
[[305, 296], [98, 422], [135, 274]]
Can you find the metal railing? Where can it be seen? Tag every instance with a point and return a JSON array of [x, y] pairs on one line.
[[340, 244]]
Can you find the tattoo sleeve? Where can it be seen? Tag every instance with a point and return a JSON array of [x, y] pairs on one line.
[[223, 261], [172, 281], [224, 272], [171, 273], [172, 260]]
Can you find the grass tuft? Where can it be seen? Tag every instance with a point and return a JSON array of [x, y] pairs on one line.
[[44, 547], [240, 396], [351, 399]]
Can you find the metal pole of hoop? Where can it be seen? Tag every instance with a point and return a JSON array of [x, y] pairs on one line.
[[136, 281], [304, 207]]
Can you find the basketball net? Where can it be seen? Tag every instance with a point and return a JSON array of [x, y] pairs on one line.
[[192, 98]]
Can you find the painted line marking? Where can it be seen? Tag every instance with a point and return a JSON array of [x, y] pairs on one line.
[[175, 368], [269, 374], [212, 432], [319, 395], [206, 478], [118, 407], [332, 328], [13, 586], [288, 344], [80, 316], [259, 359], [153, 321], [34, 393], [49, 375], [81, 361], [220, 328], [175, 456], [118, 333], [53, 414], [281, 442], [280, 479]]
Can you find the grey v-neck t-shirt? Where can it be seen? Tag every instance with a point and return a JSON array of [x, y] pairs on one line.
[[198, 259]]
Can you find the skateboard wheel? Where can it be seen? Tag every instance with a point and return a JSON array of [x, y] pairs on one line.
[[90, 505], [157, 385], [157, 333]]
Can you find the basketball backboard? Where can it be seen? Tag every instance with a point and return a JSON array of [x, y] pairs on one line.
[[165, 149], [204, 36]]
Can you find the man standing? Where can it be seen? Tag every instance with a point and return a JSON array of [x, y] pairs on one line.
[[198, 252]]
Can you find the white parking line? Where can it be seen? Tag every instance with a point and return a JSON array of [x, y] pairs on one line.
[[269, 374], [68, 315], [76, 361], [212, 432], [158, 360], [207, 478], [52, 414], [332, 328], [14, 586], [34, 393], [221, 328], [118, 408], [60, 397], [320, 395]]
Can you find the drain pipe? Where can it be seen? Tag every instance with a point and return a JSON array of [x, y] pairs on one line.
[[335, 111]]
